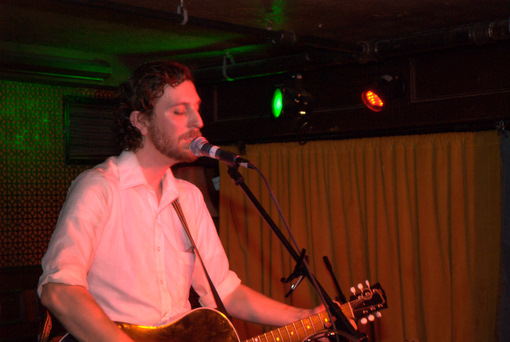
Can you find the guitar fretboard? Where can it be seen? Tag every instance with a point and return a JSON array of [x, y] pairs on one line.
[[296, 331]]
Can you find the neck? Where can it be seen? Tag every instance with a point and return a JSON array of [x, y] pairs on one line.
[[153, 166]]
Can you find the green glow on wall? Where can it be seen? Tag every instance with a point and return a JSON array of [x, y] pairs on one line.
[[162, 41], [276, 16], [219, 53], [33, 174], [31, 114], [67, 76]]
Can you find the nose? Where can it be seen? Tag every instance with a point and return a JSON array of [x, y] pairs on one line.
[[195, 119]]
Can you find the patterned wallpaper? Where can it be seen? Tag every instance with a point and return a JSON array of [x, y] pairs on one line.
[[33, 175]]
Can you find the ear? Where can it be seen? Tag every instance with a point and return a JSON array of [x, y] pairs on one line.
[[140, 121]]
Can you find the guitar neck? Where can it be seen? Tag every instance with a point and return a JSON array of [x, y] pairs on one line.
[[299, 330]]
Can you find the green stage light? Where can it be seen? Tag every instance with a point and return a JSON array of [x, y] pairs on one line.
[[277, 105], [291, 100]]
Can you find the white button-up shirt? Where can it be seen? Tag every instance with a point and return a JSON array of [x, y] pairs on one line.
[[131, 253]]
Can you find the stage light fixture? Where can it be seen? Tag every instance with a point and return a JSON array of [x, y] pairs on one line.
[[291, 100], [387, 87]]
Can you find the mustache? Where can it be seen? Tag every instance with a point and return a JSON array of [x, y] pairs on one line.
[[195, 133]]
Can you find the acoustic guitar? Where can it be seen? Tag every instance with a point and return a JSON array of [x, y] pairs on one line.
[[209, 325]]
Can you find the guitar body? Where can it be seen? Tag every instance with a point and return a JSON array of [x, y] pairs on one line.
[[199, 325]]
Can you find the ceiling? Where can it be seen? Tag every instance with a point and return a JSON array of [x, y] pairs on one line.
[[211, 33]]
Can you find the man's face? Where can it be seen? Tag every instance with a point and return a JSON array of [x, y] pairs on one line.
[[176, 122]]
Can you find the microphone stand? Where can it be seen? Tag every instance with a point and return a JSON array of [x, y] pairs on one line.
[[331, 306]]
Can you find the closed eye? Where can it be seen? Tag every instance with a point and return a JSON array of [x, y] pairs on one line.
[[179, 109]]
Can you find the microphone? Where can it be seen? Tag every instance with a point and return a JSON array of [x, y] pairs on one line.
[[200, 147]]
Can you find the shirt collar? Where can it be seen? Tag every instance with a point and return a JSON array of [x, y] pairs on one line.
[[131, 175], [130, 172]]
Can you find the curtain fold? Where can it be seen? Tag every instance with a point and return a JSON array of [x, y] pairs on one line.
[[419, 214]]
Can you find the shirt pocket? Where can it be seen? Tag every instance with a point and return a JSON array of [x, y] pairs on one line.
[[184, 268]]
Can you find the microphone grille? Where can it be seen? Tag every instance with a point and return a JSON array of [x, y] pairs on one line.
[[196, 145]]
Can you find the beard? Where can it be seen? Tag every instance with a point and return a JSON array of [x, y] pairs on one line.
[[176, 148]]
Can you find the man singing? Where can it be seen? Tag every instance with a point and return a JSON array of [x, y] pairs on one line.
[[119, 252]]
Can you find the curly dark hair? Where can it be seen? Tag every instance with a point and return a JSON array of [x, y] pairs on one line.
[[140, 92]]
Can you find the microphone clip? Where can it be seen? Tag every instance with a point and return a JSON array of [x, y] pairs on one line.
[[297, 273]]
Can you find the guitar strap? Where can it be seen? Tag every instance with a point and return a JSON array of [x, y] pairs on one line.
[[217, 298], [48, 324]]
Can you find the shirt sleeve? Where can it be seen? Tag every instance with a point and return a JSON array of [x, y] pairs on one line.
[[77, 233], [211, 250]]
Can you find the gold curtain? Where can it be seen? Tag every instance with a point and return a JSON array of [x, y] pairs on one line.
[[419, 214]]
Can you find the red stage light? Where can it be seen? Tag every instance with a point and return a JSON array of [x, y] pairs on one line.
[[372, 100], [385, 88]]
